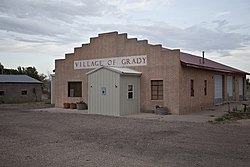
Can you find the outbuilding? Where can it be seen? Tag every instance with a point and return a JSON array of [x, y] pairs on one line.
[[19, 88], [113, 91], [179, 81]]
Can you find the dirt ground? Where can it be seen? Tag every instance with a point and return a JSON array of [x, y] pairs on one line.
[[40, 138]]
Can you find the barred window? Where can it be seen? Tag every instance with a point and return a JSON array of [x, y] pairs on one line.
[[74, 89], [156, 89], [192, 87], [205, 87]]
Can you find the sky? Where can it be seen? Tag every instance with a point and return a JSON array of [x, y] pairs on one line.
[[36, 32]]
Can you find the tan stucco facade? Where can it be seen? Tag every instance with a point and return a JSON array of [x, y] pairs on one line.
[[162, 64], [201, 101]]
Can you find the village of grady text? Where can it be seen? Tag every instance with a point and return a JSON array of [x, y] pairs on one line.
[[112, 62]]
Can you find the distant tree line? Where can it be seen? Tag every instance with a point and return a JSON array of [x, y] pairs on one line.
[[30, 71]]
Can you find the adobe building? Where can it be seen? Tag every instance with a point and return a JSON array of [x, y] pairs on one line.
[[181, 82], [19, 88]]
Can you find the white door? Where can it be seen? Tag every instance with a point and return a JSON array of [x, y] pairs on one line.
[[218, 89], [230, 88], [241, 88]]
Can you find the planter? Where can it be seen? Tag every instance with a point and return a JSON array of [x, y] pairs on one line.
[[66, 105], [81, 106], [72, 105]]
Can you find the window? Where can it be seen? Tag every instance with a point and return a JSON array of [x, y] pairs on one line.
[[205, 87], [2, 93], [24, 92], [157, 90], [74, 89], [192, 87], [130, 91]]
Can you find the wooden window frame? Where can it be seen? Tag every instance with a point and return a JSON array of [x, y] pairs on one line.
[[130, 92], [77, 89], [156, 89]]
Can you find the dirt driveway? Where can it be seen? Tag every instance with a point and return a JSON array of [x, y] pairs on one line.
[[38, 138]]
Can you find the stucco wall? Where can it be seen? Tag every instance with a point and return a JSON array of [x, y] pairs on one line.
[[199, 101], [190, 103], [162, 64], [12, 93]]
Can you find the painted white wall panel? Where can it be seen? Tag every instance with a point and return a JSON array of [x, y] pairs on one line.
[[230, 87], [218, 89], [241, 89]]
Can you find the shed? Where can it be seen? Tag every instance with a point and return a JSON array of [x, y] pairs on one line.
[[113, 91], [19, 88]]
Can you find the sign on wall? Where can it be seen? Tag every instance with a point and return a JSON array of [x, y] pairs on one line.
[[114, 62]]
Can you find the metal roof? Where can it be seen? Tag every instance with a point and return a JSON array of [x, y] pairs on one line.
[[197, 62], [18, 79], [120, 70]]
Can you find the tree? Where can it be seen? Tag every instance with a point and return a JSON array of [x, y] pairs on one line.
[[30, 71], [1, 68]]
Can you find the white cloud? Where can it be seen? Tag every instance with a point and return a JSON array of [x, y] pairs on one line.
[[138, 5], [55, 9], [221, 14], [49, 18], [55, 27]]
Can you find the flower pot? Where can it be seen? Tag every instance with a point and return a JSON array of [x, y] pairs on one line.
[[66, 105], [72, 105], [81, 106]]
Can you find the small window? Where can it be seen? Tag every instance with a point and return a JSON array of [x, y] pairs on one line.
[[2, 93], [157, 90], [74, 89], [205, 87], [130, 91], [192, 87], [24, 92]]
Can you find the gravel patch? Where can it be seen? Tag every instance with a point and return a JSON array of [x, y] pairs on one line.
[[33, 138]]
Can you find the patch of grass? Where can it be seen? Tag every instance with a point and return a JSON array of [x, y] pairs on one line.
[[232, 116]]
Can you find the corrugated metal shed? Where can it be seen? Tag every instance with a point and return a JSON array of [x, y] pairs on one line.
[[113, 91], [18, 79]]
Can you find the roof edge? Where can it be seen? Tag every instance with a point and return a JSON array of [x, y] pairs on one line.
[[114, 70], [213, 69]]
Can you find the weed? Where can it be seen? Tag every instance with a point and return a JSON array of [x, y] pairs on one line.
[[232, 116]]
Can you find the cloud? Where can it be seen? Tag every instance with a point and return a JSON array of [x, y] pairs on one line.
[[138, 5], [193, 38], [29, 26], [221, 14], [60, 23], [49, 18], [63, 10], [197, 37]]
